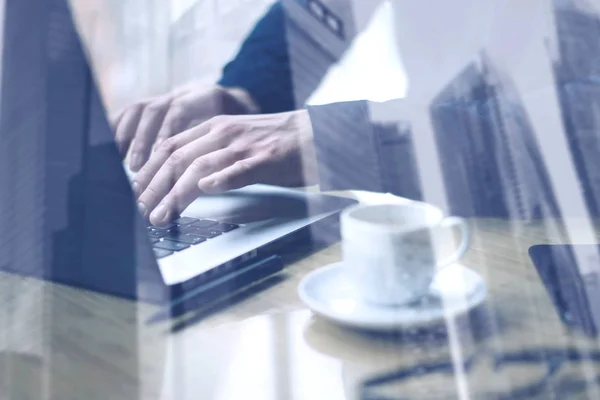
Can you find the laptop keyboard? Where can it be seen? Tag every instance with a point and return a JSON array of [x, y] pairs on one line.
[[185, 232]]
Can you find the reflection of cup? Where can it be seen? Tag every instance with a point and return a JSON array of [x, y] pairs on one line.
[[390, 250]]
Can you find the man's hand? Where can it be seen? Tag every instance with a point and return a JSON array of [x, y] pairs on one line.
[[226, 152], [144, 125]]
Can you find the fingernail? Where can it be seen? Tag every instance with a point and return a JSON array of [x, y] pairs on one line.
[[159, 215], [136, 161], [136, 188], [142, 208]]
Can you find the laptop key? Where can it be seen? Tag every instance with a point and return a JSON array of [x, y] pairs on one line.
[[187, 238], [209, 233], [171, 245], [161, 253], [164, 227], [224, 227], [157, 233], [185, 221], [205, 223], [206, 233]]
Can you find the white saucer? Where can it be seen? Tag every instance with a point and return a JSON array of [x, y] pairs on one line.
[[328, 293]]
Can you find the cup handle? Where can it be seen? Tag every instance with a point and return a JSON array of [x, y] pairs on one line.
[[461, 224]]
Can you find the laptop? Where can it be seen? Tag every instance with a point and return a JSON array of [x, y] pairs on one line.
[[67, 199]]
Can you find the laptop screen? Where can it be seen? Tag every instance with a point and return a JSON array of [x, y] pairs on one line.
[[66, 206]]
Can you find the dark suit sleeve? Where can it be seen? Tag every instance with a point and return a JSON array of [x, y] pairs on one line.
[[354, 153], [262, 66]]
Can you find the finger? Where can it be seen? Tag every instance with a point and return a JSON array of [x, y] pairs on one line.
[[127, 126], [168, 153], [175, 121], [177, 164], [149, 124], [240, 174], [186, 189], [116, 119]]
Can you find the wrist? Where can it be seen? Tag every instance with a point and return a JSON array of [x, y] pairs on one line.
[[307, 146], [304, 125]]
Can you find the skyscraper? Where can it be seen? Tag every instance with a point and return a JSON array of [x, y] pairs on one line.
[[318, 33], [66, 206], [396, 143], [577, 76], [490, 157]]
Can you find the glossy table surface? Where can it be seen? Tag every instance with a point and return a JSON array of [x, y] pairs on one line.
[[60, 342]]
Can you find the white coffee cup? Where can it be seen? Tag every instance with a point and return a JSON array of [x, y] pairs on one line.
[[391, 251]]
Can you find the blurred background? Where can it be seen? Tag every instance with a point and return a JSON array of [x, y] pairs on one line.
[[145, 47]]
